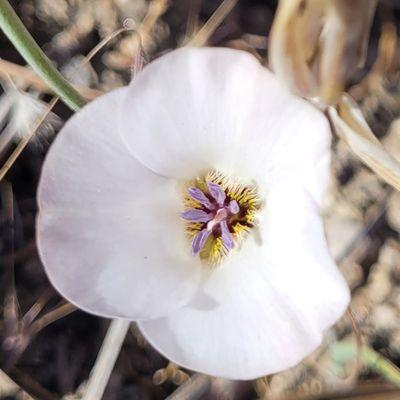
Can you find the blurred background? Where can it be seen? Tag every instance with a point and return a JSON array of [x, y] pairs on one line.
[[48, 348]]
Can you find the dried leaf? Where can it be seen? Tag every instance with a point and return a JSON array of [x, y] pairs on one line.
[[316, 45], [352, 128], [288, 55], [344, 43]]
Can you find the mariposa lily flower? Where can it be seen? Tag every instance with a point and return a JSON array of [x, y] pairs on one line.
[[189, 202]]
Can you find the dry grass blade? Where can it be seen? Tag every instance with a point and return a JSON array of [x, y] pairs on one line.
[[52, 316], [35, 310], [212, 24], [22, 144], [156, 9], [106, 358], [353, 129], [192, 23]]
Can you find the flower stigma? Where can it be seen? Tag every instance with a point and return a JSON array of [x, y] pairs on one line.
[[219, 212]]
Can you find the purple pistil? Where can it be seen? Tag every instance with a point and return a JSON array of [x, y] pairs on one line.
[[215, 213]]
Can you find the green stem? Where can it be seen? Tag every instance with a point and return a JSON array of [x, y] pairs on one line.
[[344, 351], [15, 30]]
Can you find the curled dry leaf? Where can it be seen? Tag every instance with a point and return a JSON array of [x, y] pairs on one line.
[[316, 45], [350, 125]]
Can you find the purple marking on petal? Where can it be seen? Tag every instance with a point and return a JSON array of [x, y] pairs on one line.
[[195, 215], [199, 196], [233, 207], [216, 192], [199, 241], [226, 236]]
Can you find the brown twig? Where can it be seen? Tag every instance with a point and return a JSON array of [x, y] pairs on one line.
[[40, 303], [52, 316]]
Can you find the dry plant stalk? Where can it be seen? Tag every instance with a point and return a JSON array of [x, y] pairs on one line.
[[316, 45], [106, 359]]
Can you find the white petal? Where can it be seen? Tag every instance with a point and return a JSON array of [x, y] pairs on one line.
[[109, 232], [196, 109], [266, 308]]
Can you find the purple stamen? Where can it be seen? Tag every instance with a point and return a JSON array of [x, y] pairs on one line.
[[200, 240], [216, 192], [233, 207], [196, 215], [199, 196], [226, 236]]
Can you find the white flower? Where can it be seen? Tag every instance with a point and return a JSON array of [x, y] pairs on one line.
[[204, 135]]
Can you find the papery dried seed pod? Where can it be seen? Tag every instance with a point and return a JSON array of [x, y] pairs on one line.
[[288, 51], [344, 41], [179, 377], [160, 376], [316, 45]]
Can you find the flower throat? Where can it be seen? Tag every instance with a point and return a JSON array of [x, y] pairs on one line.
[[219, 213]]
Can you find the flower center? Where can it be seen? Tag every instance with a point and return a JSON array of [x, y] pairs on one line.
[[219, 212]]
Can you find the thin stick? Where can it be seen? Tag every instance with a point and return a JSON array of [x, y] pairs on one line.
[[52, 316], [106, 359], [212, 24], [35, 310], [22, 144]]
